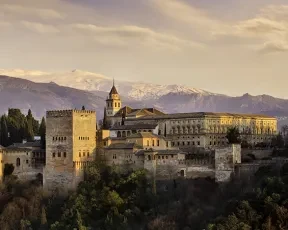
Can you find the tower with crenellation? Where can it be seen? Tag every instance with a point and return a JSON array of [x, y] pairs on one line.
[[70, 147]]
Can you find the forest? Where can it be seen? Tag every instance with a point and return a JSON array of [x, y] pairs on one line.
[[110, 199], [16, 127]]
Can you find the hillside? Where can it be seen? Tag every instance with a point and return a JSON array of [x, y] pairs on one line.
[[25, 94]]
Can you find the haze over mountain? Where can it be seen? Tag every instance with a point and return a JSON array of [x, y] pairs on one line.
[[43, 91]]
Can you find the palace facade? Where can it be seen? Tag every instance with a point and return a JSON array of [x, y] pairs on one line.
[[199, 129]]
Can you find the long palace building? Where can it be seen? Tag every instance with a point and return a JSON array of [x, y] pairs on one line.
[[200, 129]]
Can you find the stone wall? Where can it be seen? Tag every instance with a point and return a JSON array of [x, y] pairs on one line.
[[258, 153], [225, 160], [70, 144]]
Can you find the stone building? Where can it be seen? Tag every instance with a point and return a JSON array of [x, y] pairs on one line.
[[27, 158], [70, 147], [199, 129]]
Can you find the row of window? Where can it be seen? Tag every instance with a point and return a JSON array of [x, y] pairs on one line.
[[84, 154], [59, 154], [18, 162], [153, 143], [59, 138], [116, 104], [84, 138], [159, 157], [185, 143]]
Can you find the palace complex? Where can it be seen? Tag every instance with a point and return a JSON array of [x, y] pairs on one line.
[[167, 145]]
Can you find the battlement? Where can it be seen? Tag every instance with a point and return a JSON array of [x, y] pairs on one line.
[[67, 113]]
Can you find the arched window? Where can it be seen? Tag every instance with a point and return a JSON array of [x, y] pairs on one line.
[[149, 158], [147, 142], [118, 134], [79, 154], [18, 162], [153, 143], [118, 104], [59, 154]]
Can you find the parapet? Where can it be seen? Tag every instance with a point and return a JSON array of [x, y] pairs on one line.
[[67, 113]]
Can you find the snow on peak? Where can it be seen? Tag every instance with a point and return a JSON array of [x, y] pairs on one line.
[[89, 81]]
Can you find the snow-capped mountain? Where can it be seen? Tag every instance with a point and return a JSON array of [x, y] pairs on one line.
[[97, 82]]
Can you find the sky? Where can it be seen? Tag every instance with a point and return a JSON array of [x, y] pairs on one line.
[[223, 46]]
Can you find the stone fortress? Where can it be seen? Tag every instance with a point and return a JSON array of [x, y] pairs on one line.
[[167, 145]]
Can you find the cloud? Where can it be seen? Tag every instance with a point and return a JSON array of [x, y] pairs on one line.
[[124, 35], [275, 12], [186, 13], [39, 28], [39, 12], [274, 47]]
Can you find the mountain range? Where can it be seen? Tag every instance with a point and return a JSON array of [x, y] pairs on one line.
[[43, 91]]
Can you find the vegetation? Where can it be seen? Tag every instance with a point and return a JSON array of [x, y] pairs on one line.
[[111, 199], [233, 135], [15, 127]]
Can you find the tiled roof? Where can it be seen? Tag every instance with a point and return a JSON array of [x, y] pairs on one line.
[[13, 148], [135, 126], [124, 146], [142, 112], [169, 152], [143, 135], [113, 90], [27, 144], [202, 114]]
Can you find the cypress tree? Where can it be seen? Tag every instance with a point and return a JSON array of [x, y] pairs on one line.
[[42, 132], [29, 126], [4, 139]]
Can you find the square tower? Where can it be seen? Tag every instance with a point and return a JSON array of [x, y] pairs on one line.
[[70, 146]]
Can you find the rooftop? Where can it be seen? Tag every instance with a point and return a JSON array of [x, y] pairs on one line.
[[202, 114], [33, 144], [124, 146], [135, 126], [143, 135]]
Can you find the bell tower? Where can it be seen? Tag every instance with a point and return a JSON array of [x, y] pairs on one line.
[[113, 102]]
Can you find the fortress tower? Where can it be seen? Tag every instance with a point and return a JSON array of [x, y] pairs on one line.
[[113, 102], [70, 147]]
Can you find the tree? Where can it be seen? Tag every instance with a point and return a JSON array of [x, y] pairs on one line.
[[233, 135], [8, 169], [277, 141], [42, 132], [4, 139], [29, 126]]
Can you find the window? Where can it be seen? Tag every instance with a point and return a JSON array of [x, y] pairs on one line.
[[64, 154], [53, 154], [59, 154], [147, 143], [153, 143], [18, 162], [198, 142], [158, 142], [87, 154], [149, 158], [166, 157], [162, 157], [53, 138], [27, 161], [79, 154], [84, 154]]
